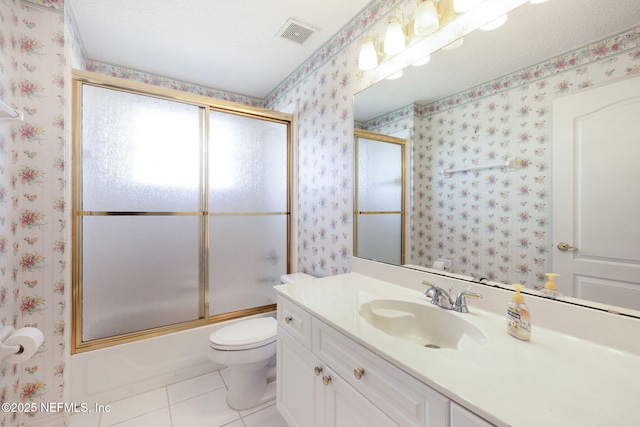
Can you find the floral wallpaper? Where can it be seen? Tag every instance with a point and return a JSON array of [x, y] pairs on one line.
[[152, 79], [34, 265]]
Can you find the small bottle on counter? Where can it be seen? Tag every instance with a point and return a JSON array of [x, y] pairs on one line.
[[518, 316], [550, 289]]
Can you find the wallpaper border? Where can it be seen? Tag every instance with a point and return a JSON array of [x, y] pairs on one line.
[[604, 49]]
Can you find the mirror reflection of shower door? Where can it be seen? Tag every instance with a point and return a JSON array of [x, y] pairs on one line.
[[379, 197]]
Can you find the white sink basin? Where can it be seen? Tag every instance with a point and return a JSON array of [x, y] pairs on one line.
[[424, 324]]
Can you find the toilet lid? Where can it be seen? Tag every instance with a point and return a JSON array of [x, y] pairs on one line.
[[245, 334]]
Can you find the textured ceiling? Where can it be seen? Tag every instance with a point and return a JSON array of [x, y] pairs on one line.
[[230, 45], [233, 45]]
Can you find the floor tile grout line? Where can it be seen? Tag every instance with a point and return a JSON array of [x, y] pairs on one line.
[[166, 390], [171, 406], [139, 415], [195, 395]]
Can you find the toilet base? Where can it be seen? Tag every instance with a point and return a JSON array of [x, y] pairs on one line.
[[269, 395], [249, 388]]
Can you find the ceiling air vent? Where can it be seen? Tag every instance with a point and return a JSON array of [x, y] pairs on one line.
[[296, 31]]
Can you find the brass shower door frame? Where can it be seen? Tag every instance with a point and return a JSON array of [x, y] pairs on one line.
[[81, 78], [359, 133]]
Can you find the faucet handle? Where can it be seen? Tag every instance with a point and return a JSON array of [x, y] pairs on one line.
[[438, 296], [433, 290], [461, 301]]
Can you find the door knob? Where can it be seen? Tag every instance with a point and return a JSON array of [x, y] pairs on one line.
[[326, 380], [564, 246], [358, 373], [288, 320], [317, 370]]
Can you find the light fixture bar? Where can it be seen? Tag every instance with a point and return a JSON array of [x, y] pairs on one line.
[[456, 27]]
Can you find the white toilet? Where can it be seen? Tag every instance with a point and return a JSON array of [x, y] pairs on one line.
[[248, 349]]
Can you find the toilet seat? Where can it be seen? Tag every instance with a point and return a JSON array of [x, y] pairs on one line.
[[245, 334]]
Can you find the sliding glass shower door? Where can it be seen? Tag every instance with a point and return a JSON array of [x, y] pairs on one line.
[[181, 214], [139, 212], [248, 211]]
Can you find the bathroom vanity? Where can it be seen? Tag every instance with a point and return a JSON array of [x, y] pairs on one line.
[[359, 349]]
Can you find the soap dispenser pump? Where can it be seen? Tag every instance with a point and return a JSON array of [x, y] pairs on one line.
[[550, 289], [518, 316]]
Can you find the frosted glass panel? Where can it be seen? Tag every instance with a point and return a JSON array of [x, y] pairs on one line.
[[247, 256], [138, 273], [379, 237], [139, 153], [379, 176], [247, 164]]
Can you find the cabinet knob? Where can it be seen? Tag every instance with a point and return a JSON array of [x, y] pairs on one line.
[[326, 380], [358, 373], [288, 319], [317, 370]]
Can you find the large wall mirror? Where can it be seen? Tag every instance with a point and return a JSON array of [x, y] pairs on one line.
[[499, 100]]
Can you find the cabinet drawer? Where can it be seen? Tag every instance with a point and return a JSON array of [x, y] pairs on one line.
[[295, 321], [406, 400]]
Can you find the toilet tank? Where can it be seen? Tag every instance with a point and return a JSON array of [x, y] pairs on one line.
[[295, 277]]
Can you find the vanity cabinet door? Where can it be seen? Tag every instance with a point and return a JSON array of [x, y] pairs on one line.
[[346, 407], [309, 394], [407, 401], [299, 390], [461, 417]]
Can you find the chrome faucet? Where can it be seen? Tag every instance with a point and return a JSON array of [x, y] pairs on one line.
[[461, 301], [442, 298], [438, 296]]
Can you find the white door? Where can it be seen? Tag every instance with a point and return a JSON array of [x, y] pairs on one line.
[[596, 194]]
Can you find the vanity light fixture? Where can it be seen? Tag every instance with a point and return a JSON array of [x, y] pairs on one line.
[[395, 40], [427, 20], [368, 58], [431, 16]]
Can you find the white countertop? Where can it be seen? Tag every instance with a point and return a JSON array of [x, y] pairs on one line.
[[552, 380]]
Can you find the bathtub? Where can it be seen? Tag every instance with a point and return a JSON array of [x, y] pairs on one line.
[[113, 373]]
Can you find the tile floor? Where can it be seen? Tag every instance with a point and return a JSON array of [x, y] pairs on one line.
[[196, 402]]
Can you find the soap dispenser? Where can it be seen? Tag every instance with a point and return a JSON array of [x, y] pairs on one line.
[[518, 316], [550, 289]]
